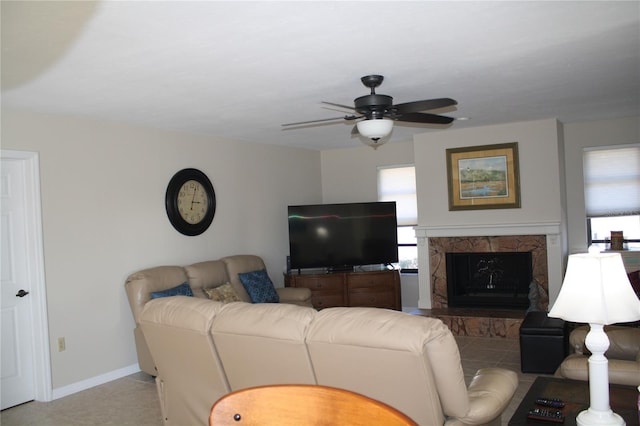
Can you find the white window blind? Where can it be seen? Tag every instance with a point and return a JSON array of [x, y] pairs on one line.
[[612, 181], [399, 184]]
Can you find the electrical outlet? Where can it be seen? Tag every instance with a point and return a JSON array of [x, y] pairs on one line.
[[61, 344]]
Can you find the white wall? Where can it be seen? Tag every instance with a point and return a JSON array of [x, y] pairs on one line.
[[577, 137], [539, 173], [103, 189], [351, 174]]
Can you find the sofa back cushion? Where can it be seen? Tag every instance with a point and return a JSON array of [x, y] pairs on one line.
[[241, 264], [624, 342], [263, 344], [205, 275], [140, 285], [190, 375], [360, 348]]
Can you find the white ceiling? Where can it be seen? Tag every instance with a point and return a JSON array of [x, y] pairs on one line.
[[238, 70]]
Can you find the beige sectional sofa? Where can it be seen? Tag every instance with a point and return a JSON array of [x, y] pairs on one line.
[[205, 349], [201, 277]]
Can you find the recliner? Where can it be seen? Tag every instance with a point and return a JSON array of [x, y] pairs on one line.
[[189, 372], [409, 362], [200, 276]]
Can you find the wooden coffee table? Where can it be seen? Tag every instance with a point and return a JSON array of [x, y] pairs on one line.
[[575, 394]]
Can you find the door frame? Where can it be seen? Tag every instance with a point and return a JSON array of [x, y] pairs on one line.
[[35, 254]]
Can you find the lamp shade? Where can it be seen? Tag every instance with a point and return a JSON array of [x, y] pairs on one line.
[[596, 290], [375, 128]]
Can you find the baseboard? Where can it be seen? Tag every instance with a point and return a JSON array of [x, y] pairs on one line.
[[94, 381]]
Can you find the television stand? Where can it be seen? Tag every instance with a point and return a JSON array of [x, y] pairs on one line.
[[343, 268], [377, 289]]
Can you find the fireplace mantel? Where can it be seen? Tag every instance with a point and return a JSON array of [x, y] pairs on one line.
[[544, 228], [552, 231]]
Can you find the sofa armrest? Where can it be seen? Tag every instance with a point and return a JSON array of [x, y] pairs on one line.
[[489, 394], [145, 361], [295, 295], [574, 367]]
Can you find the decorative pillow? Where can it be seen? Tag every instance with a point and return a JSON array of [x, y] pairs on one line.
[[223, 293], [259, 287], [182, 290]]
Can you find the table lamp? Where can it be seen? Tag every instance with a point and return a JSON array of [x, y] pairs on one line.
[[597, 291]]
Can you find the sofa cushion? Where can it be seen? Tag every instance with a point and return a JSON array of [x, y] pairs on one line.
[[239, 264], [223, 293], [180, 290], [207, 274], [259, 287], [263, 344]]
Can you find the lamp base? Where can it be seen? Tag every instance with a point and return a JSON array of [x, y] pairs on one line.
[[591, 417]]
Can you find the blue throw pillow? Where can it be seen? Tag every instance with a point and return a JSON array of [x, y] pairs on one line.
[[259, 287], [183, 289]]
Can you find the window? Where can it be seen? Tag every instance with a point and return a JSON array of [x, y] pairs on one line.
[[398, 184], [612, 194]]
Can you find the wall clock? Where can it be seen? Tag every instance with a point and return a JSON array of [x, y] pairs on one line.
[[190, 202]]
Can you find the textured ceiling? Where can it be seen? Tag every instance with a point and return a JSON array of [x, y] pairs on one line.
[[238, 70]]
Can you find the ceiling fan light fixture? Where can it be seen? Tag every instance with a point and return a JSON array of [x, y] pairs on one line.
[[376, 128], [374, 143]]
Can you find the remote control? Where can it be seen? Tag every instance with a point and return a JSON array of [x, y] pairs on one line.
[[550, 402], [546, 415]]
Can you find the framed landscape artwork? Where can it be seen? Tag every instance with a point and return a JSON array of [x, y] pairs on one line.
[[483, 177]]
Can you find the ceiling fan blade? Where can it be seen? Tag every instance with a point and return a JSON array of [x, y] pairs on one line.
[[345, 117], [424, 105], [423, 117], [339, 105]]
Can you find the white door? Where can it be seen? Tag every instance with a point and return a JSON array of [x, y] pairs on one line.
[[17, 350]]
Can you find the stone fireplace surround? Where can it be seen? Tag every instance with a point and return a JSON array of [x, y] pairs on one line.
[[542, 239], [440, 246]]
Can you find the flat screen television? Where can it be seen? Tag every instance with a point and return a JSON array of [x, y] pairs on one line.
[[340, 236]]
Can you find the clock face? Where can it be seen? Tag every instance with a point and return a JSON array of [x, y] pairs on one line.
[[190, 202]]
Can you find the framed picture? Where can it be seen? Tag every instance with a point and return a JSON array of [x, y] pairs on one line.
[[483, 177]]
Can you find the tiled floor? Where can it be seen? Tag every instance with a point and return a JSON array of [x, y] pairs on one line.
[[132, 400], [129, 401]]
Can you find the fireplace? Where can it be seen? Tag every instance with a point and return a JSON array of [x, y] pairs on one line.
[[543, 240], [438, 247], [489, 279]]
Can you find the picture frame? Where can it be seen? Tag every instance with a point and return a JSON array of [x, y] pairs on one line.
[[483, 177]]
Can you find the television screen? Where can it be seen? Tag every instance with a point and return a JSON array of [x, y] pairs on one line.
[[342, 235]]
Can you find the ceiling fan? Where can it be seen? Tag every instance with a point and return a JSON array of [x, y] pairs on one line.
[[379, 112]]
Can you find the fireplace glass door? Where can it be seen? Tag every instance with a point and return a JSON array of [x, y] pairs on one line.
[[489, 280]]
